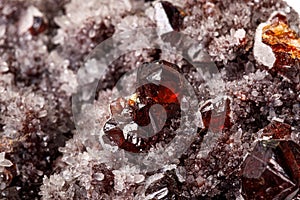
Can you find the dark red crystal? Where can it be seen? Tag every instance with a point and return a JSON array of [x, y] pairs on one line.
[[39, 25], [214, 120]]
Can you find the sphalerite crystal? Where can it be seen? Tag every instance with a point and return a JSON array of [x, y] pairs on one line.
[[214, 119], [149, 115], [277, 130], [39, 25], [272, 169]]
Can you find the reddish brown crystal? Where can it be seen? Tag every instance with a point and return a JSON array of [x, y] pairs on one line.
[[277, 130], [39, 25], [217, 121], [271, 171], [174, 14], [115, 134], [138, 106], [281, 38]]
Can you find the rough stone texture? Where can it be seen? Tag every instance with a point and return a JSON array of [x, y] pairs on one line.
[[42, 156]]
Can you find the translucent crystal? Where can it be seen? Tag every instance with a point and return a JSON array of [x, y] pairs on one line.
[[262, 52]]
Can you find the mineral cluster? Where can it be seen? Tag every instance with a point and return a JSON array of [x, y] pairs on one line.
[[247, 141]]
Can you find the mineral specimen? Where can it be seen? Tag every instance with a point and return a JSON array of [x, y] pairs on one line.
[[43, 43]]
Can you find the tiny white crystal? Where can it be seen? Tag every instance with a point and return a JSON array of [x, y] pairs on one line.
[[181, 173], [240, 34], [4, 162], [99, 176], [2, 31], [139, 178], [159, 194], [3, 66]]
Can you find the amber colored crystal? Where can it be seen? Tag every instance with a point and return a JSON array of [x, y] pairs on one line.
[[281, 38], [286, 46]]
